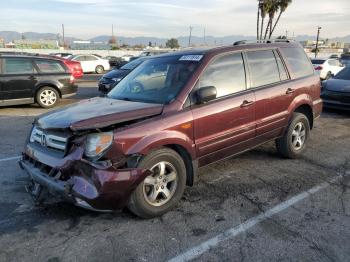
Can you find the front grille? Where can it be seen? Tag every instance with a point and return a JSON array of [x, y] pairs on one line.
[[48, 170], [49, 140]]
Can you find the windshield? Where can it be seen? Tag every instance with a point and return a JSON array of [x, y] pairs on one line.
[[156, 80], [133, 64], [344, 74]]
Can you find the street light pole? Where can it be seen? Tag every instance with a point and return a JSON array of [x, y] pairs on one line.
[[64, 43], [189, 38], [318, 36]]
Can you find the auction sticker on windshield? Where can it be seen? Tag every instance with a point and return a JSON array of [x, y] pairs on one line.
[[191, 57]]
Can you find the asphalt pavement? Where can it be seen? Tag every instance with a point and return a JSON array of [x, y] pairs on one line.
[[253, 207]]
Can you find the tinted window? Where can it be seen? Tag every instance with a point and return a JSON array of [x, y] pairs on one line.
[[47, 66], [317, 61], [263, 67], [281, 68], [18, 66], [226, 73], [298, 61]]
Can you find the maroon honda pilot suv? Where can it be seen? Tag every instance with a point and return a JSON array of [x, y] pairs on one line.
[[143, 143]]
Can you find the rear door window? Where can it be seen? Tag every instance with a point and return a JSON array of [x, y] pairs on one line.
[[14, 66], [226, 73], [298, 61], [48, 66], [263, 67]]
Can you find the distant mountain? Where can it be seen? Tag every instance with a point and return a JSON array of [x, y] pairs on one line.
[[183, 40]]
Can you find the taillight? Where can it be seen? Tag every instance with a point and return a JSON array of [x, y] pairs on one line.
[[318, 68], [71, 80]]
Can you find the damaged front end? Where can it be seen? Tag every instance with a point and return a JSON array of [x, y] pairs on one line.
[[86, 169]]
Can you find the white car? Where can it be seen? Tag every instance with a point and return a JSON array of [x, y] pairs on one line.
[[126, 58], [91, 63], [327, 68]]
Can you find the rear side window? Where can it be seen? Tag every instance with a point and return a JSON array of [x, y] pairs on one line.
[[226, 73], [298, 61], [47, 66], [90, 58], [17, 66], [263, 67]]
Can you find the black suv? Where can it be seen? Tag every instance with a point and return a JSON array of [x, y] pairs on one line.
[[27, 79]]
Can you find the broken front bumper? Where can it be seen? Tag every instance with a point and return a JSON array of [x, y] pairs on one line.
[[89, 185]]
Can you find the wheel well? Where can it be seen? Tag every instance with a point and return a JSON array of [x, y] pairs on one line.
[[307, 111], [47, 85], [190, 172]]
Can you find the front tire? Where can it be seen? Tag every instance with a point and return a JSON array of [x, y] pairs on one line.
[[162, 190], [47, 97], [293, 143], [99, 69]]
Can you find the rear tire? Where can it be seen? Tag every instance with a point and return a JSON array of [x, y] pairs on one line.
[[293, 143], [162, 190], [99, 69], [47, 97]]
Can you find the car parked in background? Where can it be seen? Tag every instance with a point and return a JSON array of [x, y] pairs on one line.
[[115, 61], [336, 91], [126, 58], [63, 55], [345, 59], [26, 79], [74, 67], [142, 144], [112, 78], [153, 52], [91, 63], [326, 68], [334, 56]]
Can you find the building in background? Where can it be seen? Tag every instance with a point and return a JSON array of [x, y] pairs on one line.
[[35, 44]]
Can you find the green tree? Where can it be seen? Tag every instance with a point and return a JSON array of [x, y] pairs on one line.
[[172, 43]]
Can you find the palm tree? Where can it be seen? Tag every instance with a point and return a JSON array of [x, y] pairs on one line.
[[271, 9], [263, 12], [283, 4]]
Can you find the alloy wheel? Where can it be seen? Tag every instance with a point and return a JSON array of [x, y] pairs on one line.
[[160, 187], [48, 97], [298, 136]]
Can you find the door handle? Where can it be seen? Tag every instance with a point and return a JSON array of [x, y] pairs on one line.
[[290, 91], [247, 103]]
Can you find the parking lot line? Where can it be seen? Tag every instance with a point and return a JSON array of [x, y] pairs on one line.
[[235, 231], [10, 158]]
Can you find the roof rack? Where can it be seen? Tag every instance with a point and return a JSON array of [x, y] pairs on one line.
[[268, 41]]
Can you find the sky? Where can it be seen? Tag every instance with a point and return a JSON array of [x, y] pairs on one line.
[[169, 18]]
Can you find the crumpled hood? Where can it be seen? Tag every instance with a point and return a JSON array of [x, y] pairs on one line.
[[97, 112], [337, 85]]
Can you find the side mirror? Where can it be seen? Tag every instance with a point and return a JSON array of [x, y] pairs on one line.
[[206, 94]]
